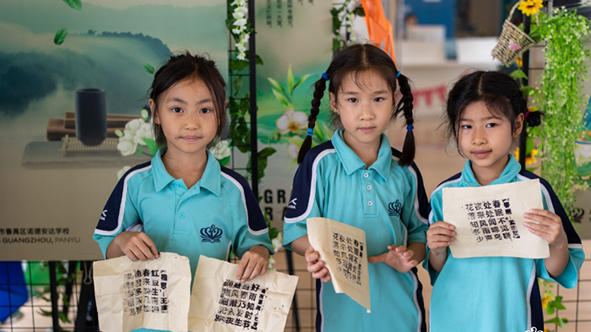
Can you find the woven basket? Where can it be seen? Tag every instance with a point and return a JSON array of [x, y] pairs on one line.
[[511, 34]]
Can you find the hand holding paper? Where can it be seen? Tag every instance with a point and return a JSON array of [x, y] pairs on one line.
[[135, 245], [344, 251], [440, 235], [316, 266], [253, 263], [546, 225], [490, 220]]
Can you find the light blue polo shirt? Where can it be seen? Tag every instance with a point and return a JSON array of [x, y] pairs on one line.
[[218, 214], [495, 293], [389, 203]]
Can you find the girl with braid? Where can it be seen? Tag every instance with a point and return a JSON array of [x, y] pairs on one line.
[[358, 179]]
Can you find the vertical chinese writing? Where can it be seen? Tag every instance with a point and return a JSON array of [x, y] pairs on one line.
[[268, 14], [279, 14], [241, 304], [290, 13], [492, 220], [145, 291], [348, 253]]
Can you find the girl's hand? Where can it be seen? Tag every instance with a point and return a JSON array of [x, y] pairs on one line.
[[253, 263], [136, 245], [398, 257], [315, 265], [439, 236], [546, 225]]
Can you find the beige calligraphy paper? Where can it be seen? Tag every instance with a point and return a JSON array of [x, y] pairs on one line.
[[220, 303], [489, 220], [343, 248], [143, 294]]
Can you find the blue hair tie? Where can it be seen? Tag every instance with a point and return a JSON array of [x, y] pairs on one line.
[[397, 77], [410, 127], [310, 132], [325, 76]]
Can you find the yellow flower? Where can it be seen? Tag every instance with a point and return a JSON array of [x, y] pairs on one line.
[[545, 300], [534, 152], [519, 62], [530, 7], [530, 160]]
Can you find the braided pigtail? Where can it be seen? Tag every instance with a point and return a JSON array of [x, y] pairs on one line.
[[319, 88], [405, 106]]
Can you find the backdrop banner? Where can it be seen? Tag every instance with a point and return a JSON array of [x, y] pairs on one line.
[[53, 190]]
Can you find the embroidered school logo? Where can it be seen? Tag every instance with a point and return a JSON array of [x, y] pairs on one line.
[[211, 234], [394, 208], [292, 204]]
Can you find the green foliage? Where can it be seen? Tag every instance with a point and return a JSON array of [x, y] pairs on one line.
[[561, 98], [76, 4], [62, 278], [60, 36], [148, 68], [152, 145], [553, 306], [339, 15]]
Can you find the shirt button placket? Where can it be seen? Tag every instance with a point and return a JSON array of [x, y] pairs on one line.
[[369, 197]]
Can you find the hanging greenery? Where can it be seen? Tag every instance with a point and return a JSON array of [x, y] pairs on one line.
[[344, 15], [561, 98]]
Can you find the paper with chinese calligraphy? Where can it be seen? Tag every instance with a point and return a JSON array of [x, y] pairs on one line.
[[489, 220], [343, 248], [220, 303], [143, 294]]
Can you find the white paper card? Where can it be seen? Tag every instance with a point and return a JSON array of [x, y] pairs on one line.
[[220, 303], [143, 294], [343, 248], [489, 220]]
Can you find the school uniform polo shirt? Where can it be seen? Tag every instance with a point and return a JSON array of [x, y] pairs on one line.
[[388, 202], [218, 214], [495, 293]]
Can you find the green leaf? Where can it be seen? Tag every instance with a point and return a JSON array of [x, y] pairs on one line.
[[44, 312], [60, 36], [518, 74], [237, 84], [359, 11], [550, 310], [300, 81], [151, 144], [64, 318], [277, 87], [273, 232], [293, 162], [553, 320], [290, 81], [148, 68], [266, 152], [281, 99], [259, 60], [76, 4], [224, 161]]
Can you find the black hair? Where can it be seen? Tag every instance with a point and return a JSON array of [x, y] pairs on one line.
[[359, 59], [187, 66], [498, 91]]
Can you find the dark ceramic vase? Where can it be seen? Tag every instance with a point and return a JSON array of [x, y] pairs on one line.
[[91, 116]]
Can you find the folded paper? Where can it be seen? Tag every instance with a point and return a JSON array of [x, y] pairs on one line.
[[221, 303], [151, 294], [489, 220], [343, 249]]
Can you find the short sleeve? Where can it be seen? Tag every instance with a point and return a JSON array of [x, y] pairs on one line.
[[306, 198], [415, 208], [435, 215], [569, 277], [118, 214], [248, 220]]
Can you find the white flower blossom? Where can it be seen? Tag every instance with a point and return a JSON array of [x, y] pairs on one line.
[[292, 121], [293, 150], [144, 131], [127, 145], [122, 171], [221, 150]]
